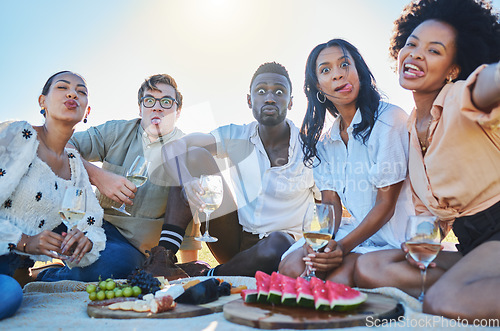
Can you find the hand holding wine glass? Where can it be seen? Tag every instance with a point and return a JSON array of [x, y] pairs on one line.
[[137, 174], [212, 198], [73, 208], [317, 227], [423, 239]]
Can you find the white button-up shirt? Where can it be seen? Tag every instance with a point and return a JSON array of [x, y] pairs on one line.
[[358, 170], [269, 198]]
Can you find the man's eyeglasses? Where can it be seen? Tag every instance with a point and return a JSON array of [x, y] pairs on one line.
[[165, 102]]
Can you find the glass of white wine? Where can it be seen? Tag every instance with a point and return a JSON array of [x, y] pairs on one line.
[[423, 239], [73, 208], [212, 197], [137, 174], [317, 227]]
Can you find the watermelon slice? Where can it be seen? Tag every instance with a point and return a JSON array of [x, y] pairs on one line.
[[249, 295], [321, 301], [343, 297], [305, 297], [263, 281], [275, 288], [289, 293]]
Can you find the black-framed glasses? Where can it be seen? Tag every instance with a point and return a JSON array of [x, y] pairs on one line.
[[165, 102]]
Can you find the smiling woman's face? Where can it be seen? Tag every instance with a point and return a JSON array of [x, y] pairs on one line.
[[427, 60]]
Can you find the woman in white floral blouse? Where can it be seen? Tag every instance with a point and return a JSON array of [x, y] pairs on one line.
[[35, 168]]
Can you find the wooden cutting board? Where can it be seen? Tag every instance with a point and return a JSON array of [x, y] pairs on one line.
[[266, 316], [181, 310]]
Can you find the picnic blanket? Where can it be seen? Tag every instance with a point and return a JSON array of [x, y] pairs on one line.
[[63, 306]]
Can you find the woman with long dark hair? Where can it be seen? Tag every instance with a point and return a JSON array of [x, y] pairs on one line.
[[360, 163]]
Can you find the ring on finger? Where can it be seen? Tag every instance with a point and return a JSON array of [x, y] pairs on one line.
[[407, 255]]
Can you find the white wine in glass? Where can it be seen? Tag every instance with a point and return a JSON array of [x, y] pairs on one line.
[[212, 197], [317, 227], [73, 206], [72, 209], [423, 239], [138, 175]]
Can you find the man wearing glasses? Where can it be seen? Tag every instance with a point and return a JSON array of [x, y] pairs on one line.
[[116, 144]]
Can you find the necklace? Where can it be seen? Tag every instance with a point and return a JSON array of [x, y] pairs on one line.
[[423, 146]]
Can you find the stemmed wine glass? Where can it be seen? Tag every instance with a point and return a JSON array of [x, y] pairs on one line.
[[73, 208], [212, 197], [317, 228], [423, 239], [137, 174]]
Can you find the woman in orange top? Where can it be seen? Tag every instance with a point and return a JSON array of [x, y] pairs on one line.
[[454, 158]]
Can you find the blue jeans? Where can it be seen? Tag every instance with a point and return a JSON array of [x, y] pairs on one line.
[[118, 260], [12, 296]]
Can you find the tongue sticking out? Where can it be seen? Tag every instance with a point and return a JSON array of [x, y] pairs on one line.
[[155, 121]]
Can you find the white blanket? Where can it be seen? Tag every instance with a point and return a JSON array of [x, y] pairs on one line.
[[65, 308]]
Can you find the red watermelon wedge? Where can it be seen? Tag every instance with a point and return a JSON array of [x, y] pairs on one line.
[[288, 290], [263, 281], [320, 294], [343, 297], [305, 297], [249, 295], [275, 288]]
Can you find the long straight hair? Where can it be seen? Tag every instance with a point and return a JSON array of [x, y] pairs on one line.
[[367, 101]]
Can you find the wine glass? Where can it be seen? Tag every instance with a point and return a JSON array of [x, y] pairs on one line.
[[137, 174], [423, 239], [317, 227], [73, 208], [212, 197]]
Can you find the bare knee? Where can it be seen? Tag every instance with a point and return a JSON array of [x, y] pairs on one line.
[[373, 269], [439, 300], [293, 264], [364, 275]]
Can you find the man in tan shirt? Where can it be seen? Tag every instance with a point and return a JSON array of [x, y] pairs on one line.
[[116, 144]]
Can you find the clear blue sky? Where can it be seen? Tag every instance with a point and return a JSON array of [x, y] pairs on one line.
[[211, 47]]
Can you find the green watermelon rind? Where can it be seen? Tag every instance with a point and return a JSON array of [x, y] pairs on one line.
[[263, 296], [274, 296], [350, 304], [289, 299], [249, 295], [305, 300]]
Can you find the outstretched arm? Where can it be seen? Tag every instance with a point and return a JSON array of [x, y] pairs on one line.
[[176, 162], [486, 91]]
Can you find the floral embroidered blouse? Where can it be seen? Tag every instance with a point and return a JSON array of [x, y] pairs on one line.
[[31, 193]]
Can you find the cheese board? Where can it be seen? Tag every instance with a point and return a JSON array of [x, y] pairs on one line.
[[101, 310]]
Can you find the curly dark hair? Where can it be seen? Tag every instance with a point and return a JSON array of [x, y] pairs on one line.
[[368, 101], [476, 23]]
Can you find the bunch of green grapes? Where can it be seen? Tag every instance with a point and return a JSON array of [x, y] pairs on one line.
[[109, 289]]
